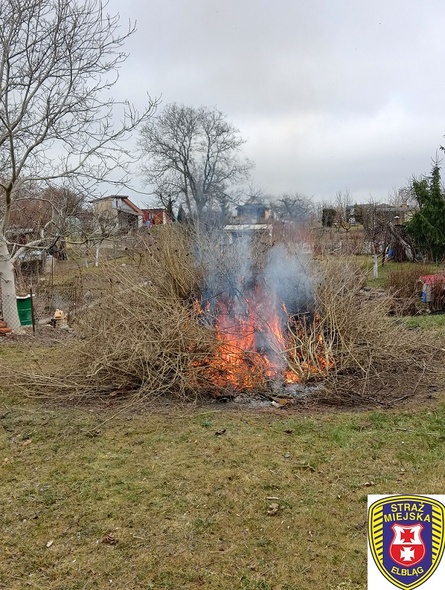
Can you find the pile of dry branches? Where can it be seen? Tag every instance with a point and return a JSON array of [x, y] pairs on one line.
[[143, 338], [403, 284], [146, 338], [376, 358]]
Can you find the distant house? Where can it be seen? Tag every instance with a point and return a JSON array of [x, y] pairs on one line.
[[157, 216], [253, 212], [251, 219], [398, 214], [121, 210]]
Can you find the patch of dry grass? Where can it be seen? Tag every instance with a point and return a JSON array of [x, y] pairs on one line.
[[161, 501]]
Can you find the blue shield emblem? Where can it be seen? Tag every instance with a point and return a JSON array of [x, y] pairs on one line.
[[406, 538]]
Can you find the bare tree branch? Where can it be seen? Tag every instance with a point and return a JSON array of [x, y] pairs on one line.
[[59, 60], [193, 152]]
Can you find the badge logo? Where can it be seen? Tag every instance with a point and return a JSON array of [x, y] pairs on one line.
[[406, 538]]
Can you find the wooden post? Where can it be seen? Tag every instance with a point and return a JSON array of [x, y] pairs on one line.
[[33, 320]]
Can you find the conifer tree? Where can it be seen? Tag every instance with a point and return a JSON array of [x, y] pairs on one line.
[[427, 226]]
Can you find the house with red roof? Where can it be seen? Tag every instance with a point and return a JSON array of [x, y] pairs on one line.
[[121, 210]]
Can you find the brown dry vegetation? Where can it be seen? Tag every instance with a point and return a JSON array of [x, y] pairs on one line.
[[377, 360], [403, 284], [146, 340], [211, 496], [140, 338]]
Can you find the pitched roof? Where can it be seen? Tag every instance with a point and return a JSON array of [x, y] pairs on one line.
[[124, 199], [135, 208]]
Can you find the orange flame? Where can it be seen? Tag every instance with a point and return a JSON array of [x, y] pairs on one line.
[[260, 341]]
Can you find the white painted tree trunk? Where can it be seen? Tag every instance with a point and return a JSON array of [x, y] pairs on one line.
[[375, 268], [7, 280]]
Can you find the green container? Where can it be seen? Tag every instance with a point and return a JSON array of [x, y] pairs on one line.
[[24, 308]]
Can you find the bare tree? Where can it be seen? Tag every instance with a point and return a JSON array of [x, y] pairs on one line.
[[342, 206], [58, 61], [89, 230], [193, 152], [403, 196], [167, 194], [42, 217], [374, 220], [292, 208]]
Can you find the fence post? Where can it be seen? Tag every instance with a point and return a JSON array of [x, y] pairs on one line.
[[32, 312]]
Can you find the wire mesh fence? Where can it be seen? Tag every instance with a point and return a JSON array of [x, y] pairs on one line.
[[9, 312], [39, 297], [70, 285]]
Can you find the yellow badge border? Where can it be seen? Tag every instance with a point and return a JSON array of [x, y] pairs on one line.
[[375, 535]]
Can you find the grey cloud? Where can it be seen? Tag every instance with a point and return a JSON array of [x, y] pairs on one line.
[[328, 94]]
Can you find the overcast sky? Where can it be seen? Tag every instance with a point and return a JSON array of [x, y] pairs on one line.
[[331, 95]]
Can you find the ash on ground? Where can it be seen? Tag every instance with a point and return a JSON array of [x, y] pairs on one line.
[[282, 395]]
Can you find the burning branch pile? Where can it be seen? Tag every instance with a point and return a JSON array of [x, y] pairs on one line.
[[260, 342], [197, 316], [262, 306]]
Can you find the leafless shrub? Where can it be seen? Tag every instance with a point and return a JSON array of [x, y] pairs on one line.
[[146, 338], [142, 338], [437, 302], [403, 284], [328, 240], [171, 267], [376, 359], [310, 355]]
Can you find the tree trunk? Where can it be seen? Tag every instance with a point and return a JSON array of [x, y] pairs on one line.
[[7, 282], [375, 268]]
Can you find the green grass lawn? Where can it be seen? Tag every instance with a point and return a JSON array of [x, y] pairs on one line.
[[390, 267], [425, 322], [201, 497], [366, 262], [180, 498]]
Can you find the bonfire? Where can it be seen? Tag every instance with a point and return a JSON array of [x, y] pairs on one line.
[[269, 321], [263, 333]]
